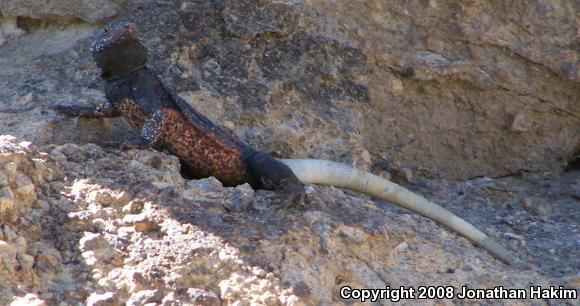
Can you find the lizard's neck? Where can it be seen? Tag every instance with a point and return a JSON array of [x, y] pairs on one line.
[[113, 76]]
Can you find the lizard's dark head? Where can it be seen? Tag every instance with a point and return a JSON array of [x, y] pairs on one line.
[[118, 51]]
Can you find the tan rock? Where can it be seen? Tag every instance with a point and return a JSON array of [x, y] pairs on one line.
[[88, 10]]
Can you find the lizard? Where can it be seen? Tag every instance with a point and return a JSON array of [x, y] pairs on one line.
[[166, 121]]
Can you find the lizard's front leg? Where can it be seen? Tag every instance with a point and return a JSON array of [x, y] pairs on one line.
[[149, 136], [103, 110], [270, 173]]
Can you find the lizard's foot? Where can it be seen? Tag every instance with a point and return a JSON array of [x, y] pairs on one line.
[[69, 110], [103, 110], [292, 196], [127, 144], [117, 144]]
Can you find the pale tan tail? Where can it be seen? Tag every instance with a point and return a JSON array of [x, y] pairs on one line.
[[311, 171]]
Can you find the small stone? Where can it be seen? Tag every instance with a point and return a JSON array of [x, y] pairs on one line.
[[7, 256], [241, 303], [101, 196], [57, 187], [7, 200], [170, 299], [42, 204], [394, 86], [527, 202], [226, 290], [25, 261], [401, 247], [258, 272], [475, 52], [146, 226], [574, 281], [120, 198], [73, 152], [434, 44], [145, 297], [10, 170], [125, 231], [99, 224], [365, 157], [514, 236], [20, 243], [25, 187], [141, 223], [270, 299], [9, 29], [92, 241], [301, 289], [64, 204], [80, 219], [534, 206], [309, 189], [205, 185], [294, 301], [27, 145], [262, 284], [433, 4], [403, 176], [520, 123], [239, 198], [542, 209], [133, 207], [3, 180], [228, 218], [353, 234], [28, 300], [229, 125], [48, 260], [105, 299], [9, 235], [203, 298], [384, 174]]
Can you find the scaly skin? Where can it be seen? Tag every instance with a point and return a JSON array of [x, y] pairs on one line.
[[166, 121]]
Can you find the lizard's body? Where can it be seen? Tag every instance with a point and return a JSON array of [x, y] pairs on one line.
[[202, 147]]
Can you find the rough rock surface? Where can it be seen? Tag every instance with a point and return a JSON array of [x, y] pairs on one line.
[[87, 10], [9, 29], [453, 89], [83, 224], [492, 86]]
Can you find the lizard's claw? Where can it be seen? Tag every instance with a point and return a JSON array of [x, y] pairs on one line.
[[126, 145], [114, 144], [292, 196], [68, 110]]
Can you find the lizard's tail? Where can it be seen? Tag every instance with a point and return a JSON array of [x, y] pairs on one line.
[[310, 171]]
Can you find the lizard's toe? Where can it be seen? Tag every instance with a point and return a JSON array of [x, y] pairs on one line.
[[292, 196], [64, 109]]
